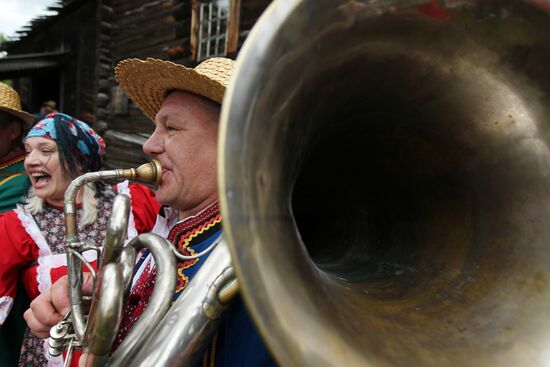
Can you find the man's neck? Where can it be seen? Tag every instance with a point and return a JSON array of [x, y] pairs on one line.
[[184, 214]]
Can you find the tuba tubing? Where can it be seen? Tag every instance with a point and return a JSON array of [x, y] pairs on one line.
[[110, 303], [194, 316], [111, 286], [149, 173], [217, 286]]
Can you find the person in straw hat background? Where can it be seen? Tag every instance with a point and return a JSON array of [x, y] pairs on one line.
[[185, 106], [13, 122]]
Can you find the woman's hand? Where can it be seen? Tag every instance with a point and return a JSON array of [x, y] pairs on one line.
[[50, 307]]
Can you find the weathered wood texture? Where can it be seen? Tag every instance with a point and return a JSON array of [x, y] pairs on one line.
[[159, 29], [74, 30], [139, 29], [233, 26], [99, 34]]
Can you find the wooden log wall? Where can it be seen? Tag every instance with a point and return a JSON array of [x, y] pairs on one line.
[[140, 29], [80, 74], [100, 33], [134, 29], [104, 66], [74, 30]]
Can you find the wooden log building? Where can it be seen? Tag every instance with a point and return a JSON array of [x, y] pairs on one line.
[[69, 57]]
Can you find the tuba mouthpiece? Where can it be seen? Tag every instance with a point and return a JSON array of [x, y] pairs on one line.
[[149, 173]]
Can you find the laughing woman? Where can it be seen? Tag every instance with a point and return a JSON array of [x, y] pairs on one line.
[[59, 148]]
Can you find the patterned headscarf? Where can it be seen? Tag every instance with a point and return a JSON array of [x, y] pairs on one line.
[[74, 138]]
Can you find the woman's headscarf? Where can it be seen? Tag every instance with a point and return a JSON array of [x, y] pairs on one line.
[[80, 147]]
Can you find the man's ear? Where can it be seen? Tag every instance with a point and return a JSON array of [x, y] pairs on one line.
[[14, 131]]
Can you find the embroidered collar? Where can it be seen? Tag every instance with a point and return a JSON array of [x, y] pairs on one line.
[[60, 207], [168, 219], [204, 218]]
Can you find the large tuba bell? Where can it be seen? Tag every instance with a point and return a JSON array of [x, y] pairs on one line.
[[385, 182], [384, 175]]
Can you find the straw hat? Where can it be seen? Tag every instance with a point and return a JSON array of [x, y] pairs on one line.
[[147, 82], [10, 103]]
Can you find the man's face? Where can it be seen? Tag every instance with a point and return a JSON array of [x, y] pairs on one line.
[[5, 142], [10, 133], [45, 109], [185, 143]]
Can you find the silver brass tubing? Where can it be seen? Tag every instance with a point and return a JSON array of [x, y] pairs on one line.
[[71, 242], [127, 261], [118, 228], [165, 283], [185, 327], [74, 267], [212, 306], [150, 173], [103, 322]]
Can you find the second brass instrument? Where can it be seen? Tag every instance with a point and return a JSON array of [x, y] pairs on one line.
[[95, 335]]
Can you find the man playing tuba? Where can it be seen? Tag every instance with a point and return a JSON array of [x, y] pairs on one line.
[[185, 106]]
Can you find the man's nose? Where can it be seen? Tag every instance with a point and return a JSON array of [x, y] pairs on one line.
[[153, 145]]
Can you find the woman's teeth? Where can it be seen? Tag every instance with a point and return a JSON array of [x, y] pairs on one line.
[[40, 176]]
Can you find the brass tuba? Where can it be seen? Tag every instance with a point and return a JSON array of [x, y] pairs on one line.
[[385, 182]]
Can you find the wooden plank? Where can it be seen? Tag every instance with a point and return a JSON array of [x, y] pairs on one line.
[[194, 34], [141, 44], [147, 28], [161, 7], [102, 113], [103, 84], [134, 122], [105, 73], [107, 10], [122, 6], [103, 99], [125, 140], [233, 26], [123, 157], [162, 24], [155, 51]]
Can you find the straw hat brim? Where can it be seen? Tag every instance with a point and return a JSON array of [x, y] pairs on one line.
[[147, 83], [25, 116]]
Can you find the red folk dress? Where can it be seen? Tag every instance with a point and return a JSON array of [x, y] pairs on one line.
[[32, 250]]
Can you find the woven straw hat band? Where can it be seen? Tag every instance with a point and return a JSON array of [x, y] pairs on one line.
[[147, 82], [10, 103], [218, 69]]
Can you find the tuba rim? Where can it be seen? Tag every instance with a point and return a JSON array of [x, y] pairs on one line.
[[248, 215]]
